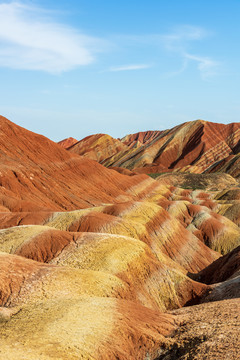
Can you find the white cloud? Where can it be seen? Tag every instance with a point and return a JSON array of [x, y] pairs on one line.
[[182, 36], [205, 65], [179, 41], [30, 40], [130, 67]]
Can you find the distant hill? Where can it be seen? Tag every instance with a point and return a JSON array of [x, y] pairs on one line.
[[196, 146], [66, 143]]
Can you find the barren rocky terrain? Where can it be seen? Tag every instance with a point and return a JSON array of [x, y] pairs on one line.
[[105, 263], [206, 331], [194, 147]]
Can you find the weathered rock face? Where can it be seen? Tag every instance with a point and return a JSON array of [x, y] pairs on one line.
[[37, 174], [140, 138], [94, 260], [196, 146], [227, 266], [67, 143], [229, 165], [98, 147]]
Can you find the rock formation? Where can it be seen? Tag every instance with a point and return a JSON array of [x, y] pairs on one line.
[[196, 147], [67, 143], [101, 263]]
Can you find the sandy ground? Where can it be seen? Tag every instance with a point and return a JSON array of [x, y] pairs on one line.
[[207, 331]]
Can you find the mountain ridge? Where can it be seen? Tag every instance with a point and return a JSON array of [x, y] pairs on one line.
[[197, 146], [103, 264]]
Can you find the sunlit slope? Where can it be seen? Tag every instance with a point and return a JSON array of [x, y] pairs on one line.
[[98, 147], [54, 312], [37, 174], [196, 146], [92, 261]]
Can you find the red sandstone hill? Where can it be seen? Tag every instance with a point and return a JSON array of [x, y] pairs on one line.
[[98, 147], [37, 174], [66, 143], [140, 138], [197, 146], [93, 259]]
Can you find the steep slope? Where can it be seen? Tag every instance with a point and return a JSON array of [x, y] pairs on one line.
[[197, 143], [90, 258], [66, 143], [37, 174], [140, 138], [229, 165], [196, 146], [227, 266], [98, 147]]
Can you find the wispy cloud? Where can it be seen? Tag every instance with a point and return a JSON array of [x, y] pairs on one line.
[[205, 65], [179, 42], [130, 67], [31, 40], [181, 36]]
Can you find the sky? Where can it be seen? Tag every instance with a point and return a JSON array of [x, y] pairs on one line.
[[75, 68]]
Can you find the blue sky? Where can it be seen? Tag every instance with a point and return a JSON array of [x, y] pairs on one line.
[[74, 68]]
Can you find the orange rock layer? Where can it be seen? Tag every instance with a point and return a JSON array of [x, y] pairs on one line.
[[92, 259], [197, 146]]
